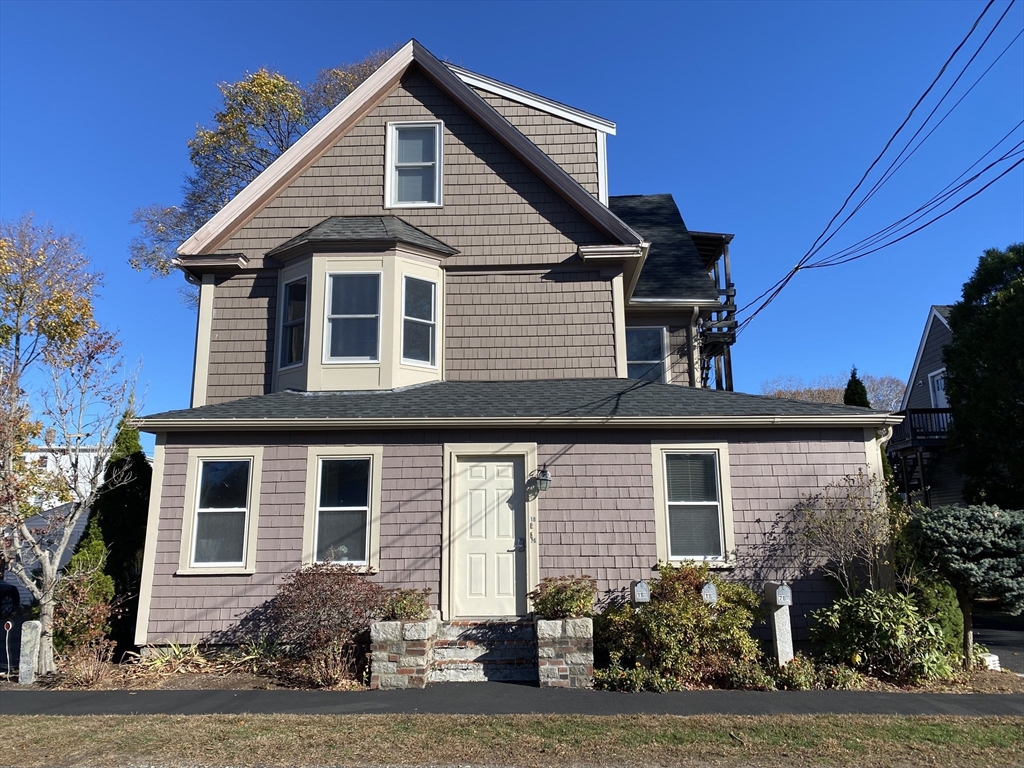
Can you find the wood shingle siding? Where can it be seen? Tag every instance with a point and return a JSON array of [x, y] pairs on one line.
[[528, 325], [572, 146], [931, 360], [597, 518], [242, 336], [496, 211]]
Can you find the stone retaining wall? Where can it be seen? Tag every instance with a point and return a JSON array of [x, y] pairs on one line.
[[565, 653], [401, 653]]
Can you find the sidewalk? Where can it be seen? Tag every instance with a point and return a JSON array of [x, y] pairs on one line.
[[503, 699]]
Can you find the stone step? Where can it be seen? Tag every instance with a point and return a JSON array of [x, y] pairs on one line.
[[469, 651], [486, 631], [456, 671]]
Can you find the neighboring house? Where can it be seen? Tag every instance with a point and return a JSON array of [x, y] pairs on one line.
[[58, 459], [423, 309], [924, 464]]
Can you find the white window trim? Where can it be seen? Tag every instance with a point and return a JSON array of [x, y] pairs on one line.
[[186, 565], [401, 333], [305, 324], [389, 163], [314, 456], [664, 351], [659, 450], [327, 359], [931, 387]]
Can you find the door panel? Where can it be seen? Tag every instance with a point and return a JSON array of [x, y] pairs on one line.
[[488, 532]]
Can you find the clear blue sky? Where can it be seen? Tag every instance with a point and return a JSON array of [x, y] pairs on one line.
[[758, 117]]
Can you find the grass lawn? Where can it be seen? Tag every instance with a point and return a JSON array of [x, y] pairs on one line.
[[510, 740]]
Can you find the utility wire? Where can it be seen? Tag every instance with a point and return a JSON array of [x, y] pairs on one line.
[[941, 197]]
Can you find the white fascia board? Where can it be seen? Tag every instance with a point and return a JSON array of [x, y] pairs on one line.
[[932, 313], [602, 167], [272, 424], [675, 303], [534, 100]]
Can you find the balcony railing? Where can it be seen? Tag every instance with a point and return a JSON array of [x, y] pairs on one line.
[[921, 427]]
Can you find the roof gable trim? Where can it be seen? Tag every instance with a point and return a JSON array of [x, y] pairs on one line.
[[534, 100], [933, 313], [315, 142]]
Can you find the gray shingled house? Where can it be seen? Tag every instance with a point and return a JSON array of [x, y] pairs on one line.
[[925, 464], [431, 345]]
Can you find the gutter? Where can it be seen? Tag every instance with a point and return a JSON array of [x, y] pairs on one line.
[[480, 422]]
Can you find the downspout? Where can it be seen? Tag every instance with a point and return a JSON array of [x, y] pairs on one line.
[[694, 353]]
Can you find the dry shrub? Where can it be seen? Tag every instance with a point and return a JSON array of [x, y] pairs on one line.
[[89, 665], [564, 597], [323, 614]]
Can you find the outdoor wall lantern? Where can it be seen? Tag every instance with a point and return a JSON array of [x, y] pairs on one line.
[[543, 480]]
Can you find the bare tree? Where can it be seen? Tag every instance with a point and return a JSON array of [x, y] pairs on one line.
[[884, 392], [64, 385]]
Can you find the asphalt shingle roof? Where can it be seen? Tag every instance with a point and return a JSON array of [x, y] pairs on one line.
[[540, 399], [674, 268], [943, 309], [355, 229]]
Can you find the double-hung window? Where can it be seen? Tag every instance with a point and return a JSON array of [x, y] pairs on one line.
[[692, 501], [645, 353], [293, 323], [343, 510], [694, 505], [353, 317], [222, 513], [419, 321], [413, 174]]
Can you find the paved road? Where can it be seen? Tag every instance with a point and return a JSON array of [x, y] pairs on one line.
[[499, 698], [1004, 636]]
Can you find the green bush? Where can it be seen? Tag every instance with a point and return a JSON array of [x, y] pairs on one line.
[[406, 605], [83, 596], [564, 597], [883, 635], [936, 599], [798, 674], [677, 639]]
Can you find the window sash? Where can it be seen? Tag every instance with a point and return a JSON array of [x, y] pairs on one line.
[[405, 176], [339, 319], [645, 367], [207, 518], [695, 526], [339, 512], [293, 325], [413, 322]]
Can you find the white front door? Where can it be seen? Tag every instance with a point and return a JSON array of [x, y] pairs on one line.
[[489, 538]]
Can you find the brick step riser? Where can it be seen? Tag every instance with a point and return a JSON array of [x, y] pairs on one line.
[[524, 652]]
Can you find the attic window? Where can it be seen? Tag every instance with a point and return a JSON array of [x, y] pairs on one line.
[[413, 177]]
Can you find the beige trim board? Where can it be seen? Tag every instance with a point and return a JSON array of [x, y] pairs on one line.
[[188, 519], [152, 536], [328, 131], [204, 326], [619, 325], [275, 424], [452, 453], [658, 450], [313, 456]]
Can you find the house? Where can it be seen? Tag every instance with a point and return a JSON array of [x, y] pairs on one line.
[[425, 306], [76, 465], [923, 462]]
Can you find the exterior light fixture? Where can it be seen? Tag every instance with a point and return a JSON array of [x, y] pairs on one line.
[[543, 480]]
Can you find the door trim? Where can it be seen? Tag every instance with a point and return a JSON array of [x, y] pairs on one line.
[[453, 452]]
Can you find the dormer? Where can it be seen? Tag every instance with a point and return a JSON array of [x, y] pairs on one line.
[[360, 305]]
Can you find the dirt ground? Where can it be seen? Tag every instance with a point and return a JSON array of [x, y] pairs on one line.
[[131, 677]]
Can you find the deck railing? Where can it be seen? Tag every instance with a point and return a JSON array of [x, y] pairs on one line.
[[921, 427]]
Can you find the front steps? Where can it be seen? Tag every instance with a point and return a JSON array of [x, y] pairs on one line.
[[478, 651]]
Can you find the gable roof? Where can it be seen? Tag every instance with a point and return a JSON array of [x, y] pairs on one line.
[[363, 229], [941, 312], [537, 403], [326, 133], [674, 268]]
